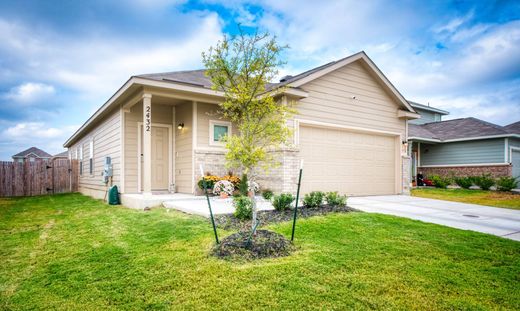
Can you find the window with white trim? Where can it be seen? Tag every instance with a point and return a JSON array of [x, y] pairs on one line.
[[81, 159], [217, 131], [91, 157]]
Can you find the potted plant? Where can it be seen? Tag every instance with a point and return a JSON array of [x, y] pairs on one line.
[[223, 188]]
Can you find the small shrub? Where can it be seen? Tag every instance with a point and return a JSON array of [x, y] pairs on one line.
[[335, 199], [484, 181], [243, 185], [314, 199], [283, 201], [243, 207], [464, 182], [267, 194], [507, 183], [440, 181]]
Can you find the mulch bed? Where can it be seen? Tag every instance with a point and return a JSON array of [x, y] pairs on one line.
[[265, 244], [230, 222]]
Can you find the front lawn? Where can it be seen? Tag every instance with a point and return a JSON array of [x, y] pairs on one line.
[[70, 252], [489, 198]]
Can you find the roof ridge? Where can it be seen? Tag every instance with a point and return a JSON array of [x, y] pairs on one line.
[[168, 72]]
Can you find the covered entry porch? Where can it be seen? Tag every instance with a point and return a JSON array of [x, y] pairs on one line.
[[159, 135]]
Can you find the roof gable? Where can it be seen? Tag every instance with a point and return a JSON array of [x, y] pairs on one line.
[[33, 150], [318, 72]]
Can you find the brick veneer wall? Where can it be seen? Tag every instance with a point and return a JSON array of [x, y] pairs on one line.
[[406, 177], [459, 171], [281, 178]]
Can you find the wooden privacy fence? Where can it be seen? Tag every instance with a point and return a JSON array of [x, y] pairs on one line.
[[38, 178]]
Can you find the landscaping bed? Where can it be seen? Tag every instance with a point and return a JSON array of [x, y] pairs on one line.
[[230, 222], [264, 244]]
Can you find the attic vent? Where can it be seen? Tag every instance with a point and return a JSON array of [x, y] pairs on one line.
[[285, 78]]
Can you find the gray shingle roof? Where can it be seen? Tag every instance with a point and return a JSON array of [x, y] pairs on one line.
[[428, 107], [193, 77], [38, 152], [419, 131], [198, 77], [64, 154], [456, 129], [513, 128]]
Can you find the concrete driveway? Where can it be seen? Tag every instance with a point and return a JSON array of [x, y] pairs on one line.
[[497, 221]]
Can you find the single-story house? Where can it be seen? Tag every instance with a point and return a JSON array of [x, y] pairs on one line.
[[462, 147], [32, 154], [350, 129]]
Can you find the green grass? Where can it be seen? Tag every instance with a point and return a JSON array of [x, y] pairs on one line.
[[489, 198], [70, 252]]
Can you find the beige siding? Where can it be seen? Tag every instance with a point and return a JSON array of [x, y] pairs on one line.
[[106, 137], [183, 149], [205, 113], [330, 101], [160, 114]]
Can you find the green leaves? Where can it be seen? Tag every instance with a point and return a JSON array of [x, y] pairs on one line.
[[242, 67]]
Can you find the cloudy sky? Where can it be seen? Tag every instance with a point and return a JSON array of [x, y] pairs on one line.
[[61, 60]]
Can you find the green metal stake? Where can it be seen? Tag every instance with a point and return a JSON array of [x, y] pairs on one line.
[[209, 204], [296, 204]]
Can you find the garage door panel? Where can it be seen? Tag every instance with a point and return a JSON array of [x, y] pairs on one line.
[[348, 162]]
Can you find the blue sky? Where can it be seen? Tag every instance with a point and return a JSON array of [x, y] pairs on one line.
[[61, 60]]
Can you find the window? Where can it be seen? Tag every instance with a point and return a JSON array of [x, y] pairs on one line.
[[91, 156], [81, 159], [32, 159], [218, 130]]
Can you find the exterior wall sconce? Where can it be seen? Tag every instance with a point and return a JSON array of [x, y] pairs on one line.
[[180, 126]]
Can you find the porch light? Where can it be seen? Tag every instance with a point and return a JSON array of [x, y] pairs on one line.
[[180, 126]]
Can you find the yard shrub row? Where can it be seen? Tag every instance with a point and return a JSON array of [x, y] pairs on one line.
[[484, 182]]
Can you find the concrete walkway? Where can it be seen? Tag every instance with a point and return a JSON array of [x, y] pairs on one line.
[[497, 221], [199, 206]]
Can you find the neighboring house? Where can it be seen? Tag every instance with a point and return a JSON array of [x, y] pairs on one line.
[[61, 155], [158, 128], [32, 154], [462, 147]]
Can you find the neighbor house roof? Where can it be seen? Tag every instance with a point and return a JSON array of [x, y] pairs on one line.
[[457, 129], [513, 128], [64, 154], [428, 107], [33, 150], [196, 82]]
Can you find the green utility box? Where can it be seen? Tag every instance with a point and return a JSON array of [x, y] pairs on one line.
[[113, 196]]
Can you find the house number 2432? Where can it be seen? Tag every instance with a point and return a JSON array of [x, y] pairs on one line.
[[148, 120]]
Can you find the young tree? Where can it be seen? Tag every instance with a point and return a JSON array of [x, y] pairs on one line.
[[242, 67]]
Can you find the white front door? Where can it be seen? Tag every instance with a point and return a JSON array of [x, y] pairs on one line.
[[160, 158]]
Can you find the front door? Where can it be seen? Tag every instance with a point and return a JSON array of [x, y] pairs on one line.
[[160, 160]]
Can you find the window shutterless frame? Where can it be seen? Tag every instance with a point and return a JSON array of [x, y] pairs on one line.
[[216, 127]]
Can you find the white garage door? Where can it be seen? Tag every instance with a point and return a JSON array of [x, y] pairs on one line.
[[348, 162]]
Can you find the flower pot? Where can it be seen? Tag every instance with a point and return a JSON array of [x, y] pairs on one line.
[[224, 195], [250, 194]]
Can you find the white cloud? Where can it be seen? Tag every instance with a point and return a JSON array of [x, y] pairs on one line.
[[26, 131], [98, 65], [30, 92], [26, 134]]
